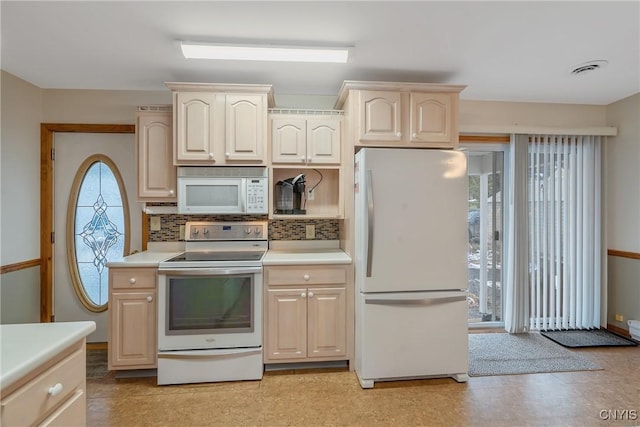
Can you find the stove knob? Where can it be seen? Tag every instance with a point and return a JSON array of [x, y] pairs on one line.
[[247, 230], [195, 231], [206, 231], [257, 230]]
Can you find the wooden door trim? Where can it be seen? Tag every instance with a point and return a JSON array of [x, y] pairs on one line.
[[47, 133]]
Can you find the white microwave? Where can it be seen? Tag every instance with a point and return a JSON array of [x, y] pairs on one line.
[[222, 190]]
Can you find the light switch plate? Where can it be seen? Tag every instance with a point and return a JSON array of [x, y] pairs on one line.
[[311, 231], [155, 223]]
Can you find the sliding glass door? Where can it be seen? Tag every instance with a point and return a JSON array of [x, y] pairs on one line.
[[485, 227]]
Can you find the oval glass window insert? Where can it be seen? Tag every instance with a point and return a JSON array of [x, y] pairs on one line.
[[96, 230]]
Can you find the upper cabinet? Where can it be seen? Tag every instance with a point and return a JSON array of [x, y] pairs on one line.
[[156, 171], [402, 114], [301, 140], [220, 124], [195, 126]]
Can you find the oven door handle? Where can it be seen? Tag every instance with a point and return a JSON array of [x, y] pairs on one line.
[[210, 271], [207, 354]]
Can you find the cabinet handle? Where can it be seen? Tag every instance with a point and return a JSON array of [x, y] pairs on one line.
[[56, 389], [303, 295], [211, 155], [302, 159], [171, 192], [310, 294], [227, 154], [399, 134], [309, 159], [414, 135], [149, 298], [306, 277], [132, 280]]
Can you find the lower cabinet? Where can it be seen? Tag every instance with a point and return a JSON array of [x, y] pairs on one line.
[[53, 394], [132, 318], [306, 314]]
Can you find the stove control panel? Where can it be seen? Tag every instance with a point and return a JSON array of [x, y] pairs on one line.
[[224, 230]]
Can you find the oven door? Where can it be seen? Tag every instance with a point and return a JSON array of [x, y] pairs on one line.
[[209, 308], [211, 195]]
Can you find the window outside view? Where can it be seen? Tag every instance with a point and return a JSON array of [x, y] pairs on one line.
[[485, 237]]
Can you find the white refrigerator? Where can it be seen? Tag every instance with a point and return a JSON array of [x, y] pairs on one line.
[[411, 264]]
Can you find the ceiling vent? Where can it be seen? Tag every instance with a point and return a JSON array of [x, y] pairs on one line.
[[589, 66]]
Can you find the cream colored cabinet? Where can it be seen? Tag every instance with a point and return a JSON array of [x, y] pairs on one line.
[[432, 118], [52, 394], [306, 141], [195, 126], [132, 318], [380, 116], [416, 115], [218, 124], [306, 313], [246, 128], [156, 171]]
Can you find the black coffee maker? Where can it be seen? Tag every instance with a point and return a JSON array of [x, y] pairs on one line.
[[289, 194]]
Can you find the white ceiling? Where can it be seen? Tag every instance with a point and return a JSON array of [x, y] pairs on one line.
[[513, 51]]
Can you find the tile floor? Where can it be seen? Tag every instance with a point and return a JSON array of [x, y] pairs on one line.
[[608, 397]]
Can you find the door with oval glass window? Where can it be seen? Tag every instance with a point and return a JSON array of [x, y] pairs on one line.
[[96, 219]]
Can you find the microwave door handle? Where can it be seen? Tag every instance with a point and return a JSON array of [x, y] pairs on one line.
[[243, 197]]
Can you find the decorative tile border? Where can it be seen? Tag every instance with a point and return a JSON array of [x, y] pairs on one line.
[[285, 229]]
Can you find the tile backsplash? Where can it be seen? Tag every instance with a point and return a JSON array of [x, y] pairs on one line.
[[285, 229]]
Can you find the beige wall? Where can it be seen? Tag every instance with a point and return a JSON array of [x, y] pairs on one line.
[[494, 113], [623, 213], [623, 175], [20, 202]]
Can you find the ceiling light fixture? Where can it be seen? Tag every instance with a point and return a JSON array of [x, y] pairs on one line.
[[247, 52]]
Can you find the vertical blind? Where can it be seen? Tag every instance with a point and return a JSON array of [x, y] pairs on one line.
[[564, 232]]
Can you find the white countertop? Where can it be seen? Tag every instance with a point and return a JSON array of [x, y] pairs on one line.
[[26, 346], [279, 253], [305, 252], [142, 259], [321, 256]]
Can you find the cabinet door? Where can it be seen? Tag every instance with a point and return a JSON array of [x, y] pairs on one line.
[[288, 140], [380, 116], [246, 127], [327, 322], [286, 333], [431, 118], [133, 323], [156, 172], [195, 120], [323, 141]]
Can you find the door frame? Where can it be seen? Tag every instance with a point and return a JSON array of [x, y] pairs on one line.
[[47, 241]]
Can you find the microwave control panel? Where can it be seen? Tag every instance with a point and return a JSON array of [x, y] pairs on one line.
[[257, 196]]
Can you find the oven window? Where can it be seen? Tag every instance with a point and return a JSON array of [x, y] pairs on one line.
[[210, 304], [213, 195]]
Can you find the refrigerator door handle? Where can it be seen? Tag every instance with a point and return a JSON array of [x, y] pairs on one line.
[[385, 300], [370, 222]]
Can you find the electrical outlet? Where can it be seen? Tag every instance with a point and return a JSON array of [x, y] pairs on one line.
[[181, 236], [311, 194], [156, 225], [311, 231], [619, 318]]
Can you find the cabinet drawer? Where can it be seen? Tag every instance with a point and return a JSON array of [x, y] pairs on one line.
[[306, 275], [73, 412], [38, 396], [133, 278]]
